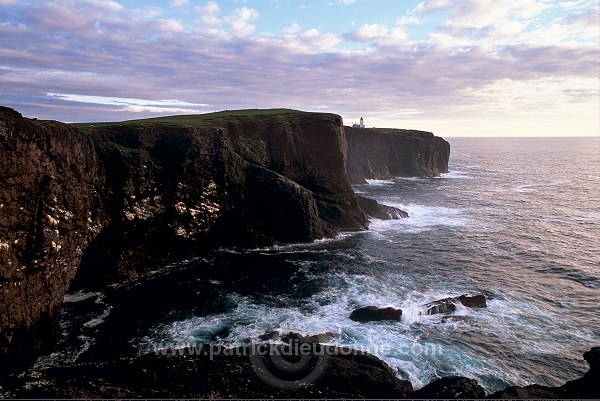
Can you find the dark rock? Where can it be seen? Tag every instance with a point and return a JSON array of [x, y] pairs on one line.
[[529, 392], [475, 301], [584, 387], [445, 305], [374, 209], [381, 153], [593, 358], [312, 339], [273, 335], [50, 188], [588, 385], [448, 305], [455, 387], [373, 313], [225, 373]]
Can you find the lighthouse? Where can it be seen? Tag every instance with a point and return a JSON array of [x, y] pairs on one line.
[[362, 123]]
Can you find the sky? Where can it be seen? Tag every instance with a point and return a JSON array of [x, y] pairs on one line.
[[453, 67]]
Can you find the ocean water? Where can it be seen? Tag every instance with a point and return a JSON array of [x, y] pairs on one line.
[[515, 219]]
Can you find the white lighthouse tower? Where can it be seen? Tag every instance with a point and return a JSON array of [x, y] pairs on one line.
[[362, 123]]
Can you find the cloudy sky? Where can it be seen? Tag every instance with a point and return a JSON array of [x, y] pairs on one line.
[[455, 67]]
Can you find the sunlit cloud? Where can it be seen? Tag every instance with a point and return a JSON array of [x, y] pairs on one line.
[[103, 59]]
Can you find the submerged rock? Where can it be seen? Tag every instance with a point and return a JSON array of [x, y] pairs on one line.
[[455, 387], [373, 313], [374, 209]]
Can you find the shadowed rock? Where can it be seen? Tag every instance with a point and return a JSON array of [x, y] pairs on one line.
[[373, 313], [374, 209], [224, 373], [455, 387], [585, 387]]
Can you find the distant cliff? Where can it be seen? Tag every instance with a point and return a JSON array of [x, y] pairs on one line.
[[116, 201], [384, 153]]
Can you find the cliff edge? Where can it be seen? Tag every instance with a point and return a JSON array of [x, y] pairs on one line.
[[385, 153], [110, 202]]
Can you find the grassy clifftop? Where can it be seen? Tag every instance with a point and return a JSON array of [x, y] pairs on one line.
[[220, 117]]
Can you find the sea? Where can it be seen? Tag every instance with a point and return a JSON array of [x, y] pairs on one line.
[[514, 219]]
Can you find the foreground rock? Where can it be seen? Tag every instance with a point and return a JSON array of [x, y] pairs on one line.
[[455, 387], [220, 374], [113, 203], [448, 305], [373, 313], [374, 209], [224, 373], [585, 387], [381, 153]]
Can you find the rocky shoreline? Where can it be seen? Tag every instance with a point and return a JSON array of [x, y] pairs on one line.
[[216, 372]]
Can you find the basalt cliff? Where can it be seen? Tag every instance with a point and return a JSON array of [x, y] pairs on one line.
[[107, 204], [385, 153]]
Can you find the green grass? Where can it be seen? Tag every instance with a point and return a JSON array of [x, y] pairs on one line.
[[214, 119]]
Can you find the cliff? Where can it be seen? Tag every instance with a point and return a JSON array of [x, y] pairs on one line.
[[385, 153], [105, 205], [50, 189]]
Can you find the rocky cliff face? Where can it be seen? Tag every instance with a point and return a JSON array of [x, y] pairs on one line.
[[112, 203], [50, 184], [383, 153]]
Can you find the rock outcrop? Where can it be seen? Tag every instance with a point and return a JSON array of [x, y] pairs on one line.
[[112, 203], [448, 305], [383, 212], [373, 313], [585, 387], [382, 153]]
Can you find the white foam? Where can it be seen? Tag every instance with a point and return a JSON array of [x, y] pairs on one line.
[[380, 182], [456, 174], [99, 319], [81, 296], [422, 218]]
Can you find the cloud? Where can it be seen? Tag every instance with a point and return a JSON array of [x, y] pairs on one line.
[[239, 20], [179, 3], [169, 25], [134, 105], [431, 6], [116, 63], [367, 32], [209, 13]]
